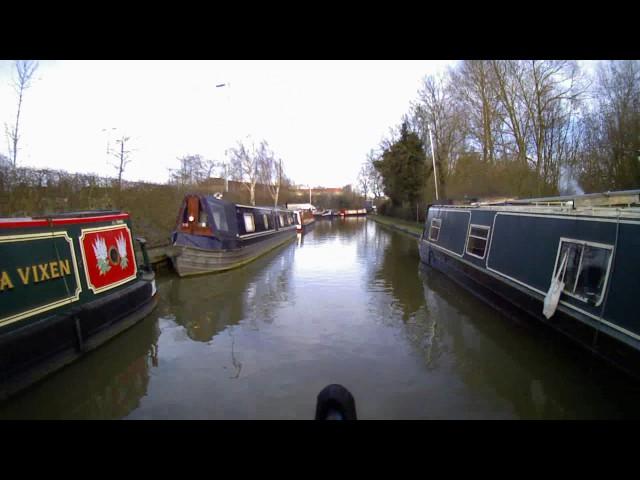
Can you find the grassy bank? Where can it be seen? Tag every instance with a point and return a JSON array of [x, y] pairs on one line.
[[412, 228]]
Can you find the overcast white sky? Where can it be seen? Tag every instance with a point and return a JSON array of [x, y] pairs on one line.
[[321, 117]]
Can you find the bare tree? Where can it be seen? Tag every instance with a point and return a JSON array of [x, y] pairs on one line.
[[376, 185], [208, 167], [473, 82], [190, 172], [122, 157], [610, 156], [271, 172], [436, 110], [552, 90], [364, 180], [245, 166], [24, 73], [515, 120]]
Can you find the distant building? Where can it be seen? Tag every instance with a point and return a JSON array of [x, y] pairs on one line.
[[302, 190]]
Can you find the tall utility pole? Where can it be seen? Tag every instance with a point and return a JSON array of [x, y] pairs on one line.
[[433, 156], [309, 194], [226, 174]]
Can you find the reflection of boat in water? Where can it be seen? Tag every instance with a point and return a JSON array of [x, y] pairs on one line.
[[501, 353], [108, 384], [513, 254], [213, 235], [68, 283], [205, 309]]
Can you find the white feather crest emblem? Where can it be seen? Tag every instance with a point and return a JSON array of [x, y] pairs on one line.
[[122, 250], [100, 249]]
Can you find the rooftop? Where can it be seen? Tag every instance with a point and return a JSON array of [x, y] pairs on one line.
[[623, 204]]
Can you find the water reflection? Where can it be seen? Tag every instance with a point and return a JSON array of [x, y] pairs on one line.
[[107, 384], [396, 269], [206, 305], [522, 364]]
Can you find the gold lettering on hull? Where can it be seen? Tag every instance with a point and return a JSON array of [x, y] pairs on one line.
[[44, 274], [53, 268], [28, 274], [5, 281], [41, 272], [24, 275], [65, 269]]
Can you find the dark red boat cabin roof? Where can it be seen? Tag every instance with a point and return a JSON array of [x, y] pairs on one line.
[[62, 219]]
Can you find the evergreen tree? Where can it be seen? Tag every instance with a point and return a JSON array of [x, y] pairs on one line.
[[402, 167]]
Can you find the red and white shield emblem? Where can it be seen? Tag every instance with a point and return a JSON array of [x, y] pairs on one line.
[[107, 253]]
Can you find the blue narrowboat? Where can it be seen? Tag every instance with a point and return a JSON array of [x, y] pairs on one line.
[[213, 235], [571, 262]]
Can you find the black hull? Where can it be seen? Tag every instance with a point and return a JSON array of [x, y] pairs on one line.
[[30, 353], [514, 301]]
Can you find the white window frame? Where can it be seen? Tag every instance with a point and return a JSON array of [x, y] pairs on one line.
[[252, 227], [435, 222], [584, 243], [486, 240], [282, 224]]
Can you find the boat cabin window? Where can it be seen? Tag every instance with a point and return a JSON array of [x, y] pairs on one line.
[[249, 223], [219, 217], [434, 231], [586, 271], [202, 218], [265, 218], [281, 220], [477, 240]]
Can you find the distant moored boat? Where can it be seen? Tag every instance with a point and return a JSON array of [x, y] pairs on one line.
[[213, 235], [344, 212]]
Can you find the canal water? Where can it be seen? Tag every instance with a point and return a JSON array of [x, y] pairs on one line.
[[347, 303]]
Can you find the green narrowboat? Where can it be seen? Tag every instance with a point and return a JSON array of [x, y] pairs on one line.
[[68, 283]]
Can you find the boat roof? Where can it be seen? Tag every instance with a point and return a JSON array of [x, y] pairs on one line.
[[78, 214], [69, 218], [624, 203], [222, 201]]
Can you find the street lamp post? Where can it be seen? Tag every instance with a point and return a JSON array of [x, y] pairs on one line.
[[226, 176]]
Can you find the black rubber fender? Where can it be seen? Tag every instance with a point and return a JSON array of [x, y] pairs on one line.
[[335, 402]]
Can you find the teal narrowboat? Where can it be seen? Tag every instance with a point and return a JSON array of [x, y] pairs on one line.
[[68, 283]]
